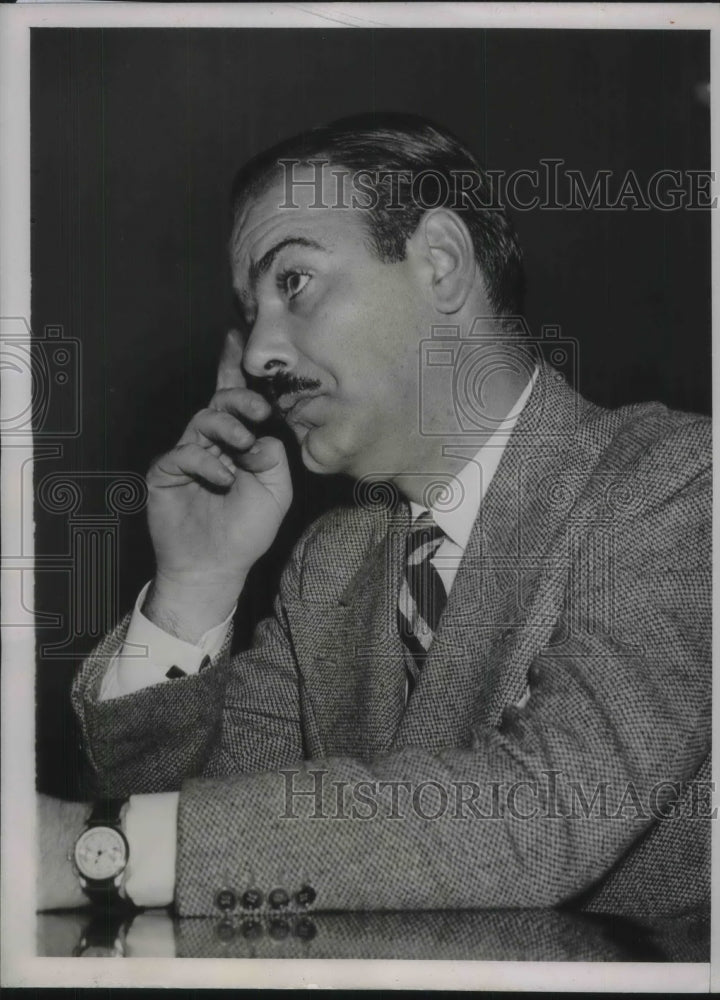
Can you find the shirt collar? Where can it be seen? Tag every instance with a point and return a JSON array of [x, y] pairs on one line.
[[469, 487]]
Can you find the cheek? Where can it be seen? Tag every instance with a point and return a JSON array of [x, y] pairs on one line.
[[363, 339], [336, 342], [381, 338]]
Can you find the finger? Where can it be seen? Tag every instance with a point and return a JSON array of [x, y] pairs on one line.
[[267, 460], [241, 402], [220, 428], [189, 461], [229, 374], [215, 450], [267, 455]]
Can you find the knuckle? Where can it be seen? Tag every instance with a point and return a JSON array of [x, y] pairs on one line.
[[155, 464]]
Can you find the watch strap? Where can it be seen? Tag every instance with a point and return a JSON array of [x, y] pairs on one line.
[[106, 812]]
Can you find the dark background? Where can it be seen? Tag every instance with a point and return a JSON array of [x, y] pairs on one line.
[[136, 135]]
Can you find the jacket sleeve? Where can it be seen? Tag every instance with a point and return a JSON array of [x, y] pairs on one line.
[[537, 809], [239, 714]]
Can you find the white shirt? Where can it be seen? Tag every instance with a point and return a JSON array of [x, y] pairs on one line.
[[148, 652], [456, 511]]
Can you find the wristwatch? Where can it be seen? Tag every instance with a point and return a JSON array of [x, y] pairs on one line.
[[101, 854]]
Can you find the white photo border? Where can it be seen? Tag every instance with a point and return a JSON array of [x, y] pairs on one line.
[[20, 965]]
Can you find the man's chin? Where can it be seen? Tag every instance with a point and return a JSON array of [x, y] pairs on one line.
[[316, 457]]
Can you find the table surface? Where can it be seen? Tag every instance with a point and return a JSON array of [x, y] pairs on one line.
[[488, 935]]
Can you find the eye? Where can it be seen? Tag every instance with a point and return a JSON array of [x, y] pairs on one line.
[[293, 282]]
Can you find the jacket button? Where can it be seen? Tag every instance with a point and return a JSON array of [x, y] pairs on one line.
[[252, 899], [225, 930], [278, 898], [305, 896], [226, 900], [534, 672], [278, 928], [305, 929], [251, 929]]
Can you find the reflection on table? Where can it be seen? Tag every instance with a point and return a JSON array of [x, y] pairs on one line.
[[489, 935]]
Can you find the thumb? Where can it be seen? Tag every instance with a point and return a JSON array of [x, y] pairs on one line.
[[267, 460]]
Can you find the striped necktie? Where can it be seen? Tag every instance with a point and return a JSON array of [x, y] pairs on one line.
[[422, 594]]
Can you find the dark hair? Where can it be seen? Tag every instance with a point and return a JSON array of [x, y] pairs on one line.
[[404, 145]]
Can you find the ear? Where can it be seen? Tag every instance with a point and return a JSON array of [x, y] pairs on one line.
[[443, 242]]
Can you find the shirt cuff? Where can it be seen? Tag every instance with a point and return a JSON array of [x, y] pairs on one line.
[[151, 655], [151, 832]]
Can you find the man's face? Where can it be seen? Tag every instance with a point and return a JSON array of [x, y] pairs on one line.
[[320, 306]]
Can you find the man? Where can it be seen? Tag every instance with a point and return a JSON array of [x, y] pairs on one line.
[[486, 686]]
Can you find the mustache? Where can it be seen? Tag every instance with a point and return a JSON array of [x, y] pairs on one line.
[[282, 384]]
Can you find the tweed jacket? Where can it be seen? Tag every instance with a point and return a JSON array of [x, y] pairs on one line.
[[556, 747], [550, 935]]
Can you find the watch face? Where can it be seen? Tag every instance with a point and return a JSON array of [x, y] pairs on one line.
[[100, 853]]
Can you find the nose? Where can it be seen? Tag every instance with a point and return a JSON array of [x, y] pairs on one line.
[[268, 349]]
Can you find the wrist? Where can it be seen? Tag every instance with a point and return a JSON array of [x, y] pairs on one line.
[[188, 606], [122, 891], [60, 823]]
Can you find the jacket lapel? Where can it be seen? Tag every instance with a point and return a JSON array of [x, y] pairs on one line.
[[505, 598], [349, 652]]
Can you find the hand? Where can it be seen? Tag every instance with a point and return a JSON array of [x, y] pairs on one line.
[[216, 501], [59, 825]]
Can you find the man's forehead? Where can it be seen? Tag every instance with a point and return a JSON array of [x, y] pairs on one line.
[[284, 209]]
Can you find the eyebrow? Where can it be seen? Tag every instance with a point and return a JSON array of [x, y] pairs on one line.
[[260, 267]]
